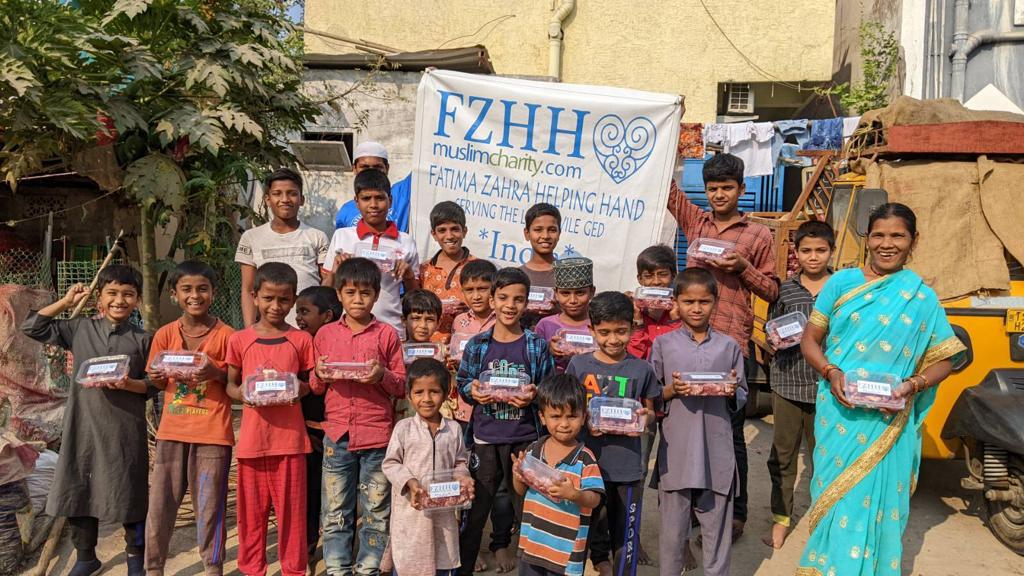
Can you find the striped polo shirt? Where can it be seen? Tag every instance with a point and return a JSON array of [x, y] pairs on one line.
[[554, 535]]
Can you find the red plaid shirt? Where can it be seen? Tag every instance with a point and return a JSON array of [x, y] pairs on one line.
[[733, 315]]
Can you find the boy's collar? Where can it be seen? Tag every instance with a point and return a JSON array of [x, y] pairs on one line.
[[463, 258], [569, 459], [390, 231], [689, 331], [344, 321]]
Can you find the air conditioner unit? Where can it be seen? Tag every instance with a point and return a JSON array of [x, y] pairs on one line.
[[322, 155], [739, 99]]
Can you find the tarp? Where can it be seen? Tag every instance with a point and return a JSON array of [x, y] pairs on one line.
[[496, 146], [905, 110], [966, 213]]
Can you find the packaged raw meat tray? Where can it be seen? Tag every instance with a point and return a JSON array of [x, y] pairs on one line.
[[414, 350], [457, 345], [269, 387], [575, 341], [179, 364], [610, 415], [450, 306], [347, 370], [444, 491], [709, 250], [654, 298], [540, 299], [102, 371], [873, 390], [709, 383], [504, 386], [786, 330], [540, 476]]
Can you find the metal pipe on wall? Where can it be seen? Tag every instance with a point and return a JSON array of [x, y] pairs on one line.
[[959, 70], [555, 37]]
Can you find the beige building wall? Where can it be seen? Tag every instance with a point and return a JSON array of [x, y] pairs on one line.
[[664, 46]]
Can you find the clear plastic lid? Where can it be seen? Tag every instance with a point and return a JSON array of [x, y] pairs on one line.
[[707, 249], [179, 363], [575, 341], [451, 306], [654, 298], [540, 299], [269, 387], [457, 345], [610, 415], [873, 389], [786, 330], [412, 351], [445, 490], [504, 385], [710, 383], [103, 371], [346, 370], [539, 476], [384, 258]]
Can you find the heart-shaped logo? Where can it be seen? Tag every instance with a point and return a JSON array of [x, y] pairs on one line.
[[623, 148]]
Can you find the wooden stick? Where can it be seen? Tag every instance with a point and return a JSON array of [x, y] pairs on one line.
[[96, 278]]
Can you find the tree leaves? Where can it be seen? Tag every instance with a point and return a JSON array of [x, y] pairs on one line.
[[130, 8], [156, 178], [207, 72], [17, 77]]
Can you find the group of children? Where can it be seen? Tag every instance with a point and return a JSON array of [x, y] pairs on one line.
[[345, 444]]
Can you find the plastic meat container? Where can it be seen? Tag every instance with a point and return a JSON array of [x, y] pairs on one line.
[[457, 345], [384, 258], [540, 476], [709, 250], [576, 341], [445, 491], [413, 351], [873, 390], [179, 364], [610, 415], [103, 371], [346, 370], [786, 330], [269, 387], [654, 298], [540, 299], [450, 306], [504, 386], [709, 383]]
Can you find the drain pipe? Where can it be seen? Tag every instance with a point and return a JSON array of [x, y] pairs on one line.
[[965, 43], [555, 38]]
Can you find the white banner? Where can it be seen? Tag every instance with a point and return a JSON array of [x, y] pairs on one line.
[[496, 146]]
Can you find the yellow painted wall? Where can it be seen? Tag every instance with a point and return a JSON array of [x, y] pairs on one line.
[[665, 46]]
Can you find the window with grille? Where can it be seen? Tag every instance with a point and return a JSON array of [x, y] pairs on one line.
[[739, 99]]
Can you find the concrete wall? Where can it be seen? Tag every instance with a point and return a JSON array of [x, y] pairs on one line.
[[670, 47]]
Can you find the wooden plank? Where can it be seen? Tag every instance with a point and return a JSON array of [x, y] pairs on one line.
[[982, 137]]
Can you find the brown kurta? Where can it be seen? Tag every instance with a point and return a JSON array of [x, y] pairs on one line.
[[421, 544], [104, 459]]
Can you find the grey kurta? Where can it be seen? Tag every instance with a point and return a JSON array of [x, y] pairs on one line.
[[696, 435], [104, 458]]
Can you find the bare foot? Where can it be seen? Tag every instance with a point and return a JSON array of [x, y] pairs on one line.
[[604, 568], [777, 537], [480, 565], [737, 529], [506, 560], [643, 559], [689, 560]]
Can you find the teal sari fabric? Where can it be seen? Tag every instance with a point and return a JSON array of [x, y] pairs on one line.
[[866, 462]]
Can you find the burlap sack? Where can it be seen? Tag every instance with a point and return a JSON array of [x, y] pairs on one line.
[[958, 253], [905, 110], [1002, 191]]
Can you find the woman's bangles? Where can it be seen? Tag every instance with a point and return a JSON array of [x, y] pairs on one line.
[[919, 382], [826, 371]]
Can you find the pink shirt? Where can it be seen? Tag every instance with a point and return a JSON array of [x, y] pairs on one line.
[[271, 430], [468, 322], [363, 411]]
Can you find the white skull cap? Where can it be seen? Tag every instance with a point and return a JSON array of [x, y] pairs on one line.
[[375, 149]]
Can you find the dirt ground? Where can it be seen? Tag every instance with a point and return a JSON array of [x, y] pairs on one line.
[[945, 537]]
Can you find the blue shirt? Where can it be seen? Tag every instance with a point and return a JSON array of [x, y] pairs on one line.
[[401, 193]]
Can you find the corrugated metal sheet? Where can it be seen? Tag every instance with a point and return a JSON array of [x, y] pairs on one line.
[[472, 59]]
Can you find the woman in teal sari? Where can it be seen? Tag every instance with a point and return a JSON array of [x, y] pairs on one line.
[[877, 319]]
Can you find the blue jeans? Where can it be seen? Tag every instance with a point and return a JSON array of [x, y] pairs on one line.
[[349, 476]]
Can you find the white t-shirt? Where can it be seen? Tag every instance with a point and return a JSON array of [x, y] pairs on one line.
[[388, 308], [304, 249]]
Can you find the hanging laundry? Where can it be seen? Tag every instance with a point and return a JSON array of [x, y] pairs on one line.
[[790, 136], [715, 134], [691, 140], [850, 125], [752, 143], [826, 134]]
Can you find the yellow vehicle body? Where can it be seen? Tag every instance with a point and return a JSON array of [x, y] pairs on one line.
[[986, 322]]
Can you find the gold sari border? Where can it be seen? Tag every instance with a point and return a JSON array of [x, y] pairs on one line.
[[808, 571], [942, 351], [818, 319], [858, 291], [859, 468]]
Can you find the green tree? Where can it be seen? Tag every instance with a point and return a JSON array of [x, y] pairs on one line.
[[879, 53], [197, 95]]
